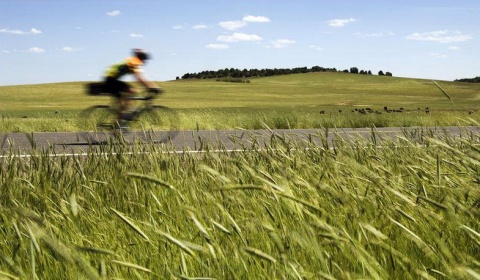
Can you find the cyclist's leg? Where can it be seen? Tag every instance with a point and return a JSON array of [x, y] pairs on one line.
[[126, 102], [117, 88], [125, 112]]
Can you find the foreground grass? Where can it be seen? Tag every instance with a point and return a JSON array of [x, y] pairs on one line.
[[285, 211], [291, 101]]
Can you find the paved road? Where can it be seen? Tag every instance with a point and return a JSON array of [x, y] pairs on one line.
[[85, 142]]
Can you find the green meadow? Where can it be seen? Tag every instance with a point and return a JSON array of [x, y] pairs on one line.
[[313, 100], [289, 209]]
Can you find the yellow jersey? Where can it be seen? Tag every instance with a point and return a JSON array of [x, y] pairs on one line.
[[129, 66]]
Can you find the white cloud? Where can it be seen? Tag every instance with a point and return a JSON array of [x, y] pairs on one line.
[[255, 19], [136, 35], [365, 35], [236, 24], [232, 25], [282, 43], [340, 22], [438, 55], [35, 50], [114, 13], [453, 48], [217, 46], [20, 32], [70, 49], [317, 48], [200, 26], [35, 31], [8, 30], [442, 36], [16, 32], [178, 27], [236, 37]]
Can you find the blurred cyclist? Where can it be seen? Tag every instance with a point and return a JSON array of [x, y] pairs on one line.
[[113, 85]]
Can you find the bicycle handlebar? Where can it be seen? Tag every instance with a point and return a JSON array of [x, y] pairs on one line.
[[152, 93], [155, 90]]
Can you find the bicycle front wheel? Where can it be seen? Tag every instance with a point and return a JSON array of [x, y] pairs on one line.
[[160, 119], [100, 117]]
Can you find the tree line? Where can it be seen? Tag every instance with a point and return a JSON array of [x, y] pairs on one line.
[[251, 73], [469, 80]]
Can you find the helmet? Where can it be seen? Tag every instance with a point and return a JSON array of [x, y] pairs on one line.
[[141, 54]]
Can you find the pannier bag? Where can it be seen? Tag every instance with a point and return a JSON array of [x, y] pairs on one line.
[[96, 89]]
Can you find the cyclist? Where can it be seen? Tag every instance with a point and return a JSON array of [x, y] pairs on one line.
[[119, 89]]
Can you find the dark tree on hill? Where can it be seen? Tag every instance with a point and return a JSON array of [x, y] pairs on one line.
[[388, 74], [472, 80], [248, 73], [380, 73]]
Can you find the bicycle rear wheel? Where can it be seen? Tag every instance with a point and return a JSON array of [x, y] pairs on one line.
[[101, 117]]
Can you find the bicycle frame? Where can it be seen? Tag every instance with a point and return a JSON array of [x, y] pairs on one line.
[[146, 98], [161, 120], [110, 116]]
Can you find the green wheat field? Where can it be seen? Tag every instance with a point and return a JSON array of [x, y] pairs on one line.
[[285, 210], [314, 100]]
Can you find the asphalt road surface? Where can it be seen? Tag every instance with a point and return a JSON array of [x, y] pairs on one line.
[[61, 143]]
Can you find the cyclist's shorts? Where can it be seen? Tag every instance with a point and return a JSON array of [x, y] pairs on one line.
[[115, 87]]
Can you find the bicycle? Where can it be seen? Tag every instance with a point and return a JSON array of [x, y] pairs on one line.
[[145, 114]]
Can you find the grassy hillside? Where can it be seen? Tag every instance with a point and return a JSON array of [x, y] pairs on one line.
[[290, 210], [324, 90], [281, 95]]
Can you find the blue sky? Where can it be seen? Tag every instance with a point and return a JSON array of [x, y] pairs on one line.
[[75, 40]]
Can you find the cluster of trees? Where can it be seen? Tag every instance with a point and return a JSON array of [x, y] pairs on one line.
[[467, 80], [237, 73], [354, 70]]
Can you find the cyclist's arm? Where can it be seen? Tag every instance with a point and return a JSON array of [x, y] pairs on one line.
[[143, 81]]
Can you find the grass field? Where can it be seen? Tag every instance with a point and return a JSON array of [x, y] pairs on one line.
[[286, 210], [290, 101], [358, 211]]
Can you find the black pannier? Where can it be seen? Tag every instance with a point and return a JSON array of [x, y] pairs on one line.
[[96, 89]]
